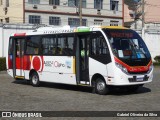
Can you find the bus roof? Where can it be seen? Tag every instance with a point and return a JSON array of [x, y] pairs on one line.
[[66, 29], [114, 27]]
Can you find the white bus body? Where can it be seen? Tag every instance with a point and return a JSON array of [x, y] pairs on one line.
[[80, 56]]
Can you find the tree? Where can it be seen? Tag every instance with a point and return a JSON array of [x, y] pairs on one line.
[[131, 3]]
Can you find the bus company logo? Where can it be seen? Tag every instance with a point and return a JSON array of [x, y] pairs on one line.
[[37, 63], [53, 64], [48, 63], [58, 64]]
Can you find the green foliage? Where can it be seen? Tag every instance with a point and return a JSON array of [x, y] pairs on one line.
[[157, 59], [156, 64], [2, 64]]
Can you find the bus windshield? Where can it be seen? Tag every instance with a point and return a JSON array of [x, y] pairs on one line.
[[127, 44]]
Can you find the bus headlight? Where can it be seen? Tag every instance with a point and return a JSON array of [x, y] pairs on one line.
[[150, 68], [121, 67]]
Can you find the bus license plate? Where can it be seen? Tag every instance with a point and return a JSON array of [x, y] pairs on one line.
[[139, 79]]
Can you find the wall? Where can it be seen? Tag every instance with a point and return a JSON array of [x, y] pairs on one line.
[[14, 11], [152, 40], [6, 30]]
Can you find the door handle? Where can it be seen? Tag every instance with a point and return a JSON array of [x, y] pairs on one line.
[[60, 73]]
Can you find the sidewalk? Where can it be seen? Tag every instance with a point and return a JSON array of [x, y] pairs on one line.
[[3, 72]]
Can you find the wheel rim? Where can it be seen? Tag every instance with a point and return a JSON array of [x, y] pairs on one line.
[[101, 86], [34, 79]]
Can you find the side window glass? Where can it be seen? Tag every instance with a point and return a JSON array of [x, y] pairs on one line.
[[68, 46], [49, 45], [32, 45], [65, 45], [10, 50], [60, 45], [99, 45]]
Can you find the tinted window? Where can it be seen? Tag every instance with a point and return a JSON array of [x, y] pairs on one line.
[[99, 45], [65, 45], [127, 44], [10, 50], [49, 45], [58, 45], [32, 45], [99, 48]]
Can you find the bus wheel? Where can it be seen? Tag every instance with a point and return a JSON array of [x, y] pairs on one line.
[[100, 87], [35, 79]]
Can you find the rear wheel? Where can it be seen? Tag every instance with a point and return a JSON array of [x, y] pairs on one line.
[[101, 87], [35, 79]]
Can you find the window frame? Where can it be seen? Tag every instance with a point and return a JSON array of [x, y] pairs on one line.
[[54, 21], [98, 6], [34, 1], [114, 23], [32, 19], [77, 20], [54, 2], [75, 3], [114, 2]]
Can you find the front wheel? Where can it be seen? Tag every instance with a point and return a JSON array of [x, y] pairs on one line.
[[101, 87], [35, 79]]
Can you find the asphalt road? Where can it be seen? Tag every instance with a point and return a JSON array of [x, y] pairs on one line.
[[21, 96]]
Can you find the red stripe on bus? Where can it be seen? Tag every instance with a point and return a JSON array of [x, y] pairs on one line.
[[134, 68], [20, 34]]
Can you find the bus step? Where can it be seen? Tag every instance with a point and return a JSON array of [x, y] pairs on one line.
[[83, 84], [19, 77]]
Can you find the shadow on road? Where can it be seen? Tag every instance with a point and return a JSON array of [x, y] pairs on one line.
[[114, 91], [120, 91]]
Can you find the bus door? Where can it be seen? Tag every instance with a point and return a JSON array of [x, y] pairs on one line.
[[82, 59], [18, 52]]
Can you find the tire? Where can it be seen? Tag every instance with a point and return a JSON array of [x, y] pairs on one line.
[[101, 87], [35, 79]]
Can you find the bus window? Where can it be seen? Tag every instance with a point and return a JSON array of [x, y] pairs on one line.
[[68, 46], [49, 45], [127, 44], [99, 48], [32, 45], [18, 48], [65, 45], [10, 50]]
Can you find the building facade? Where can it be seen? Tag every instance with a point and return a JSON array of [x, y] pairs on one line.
[[11, 11], [151, 15], [62, 12]]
